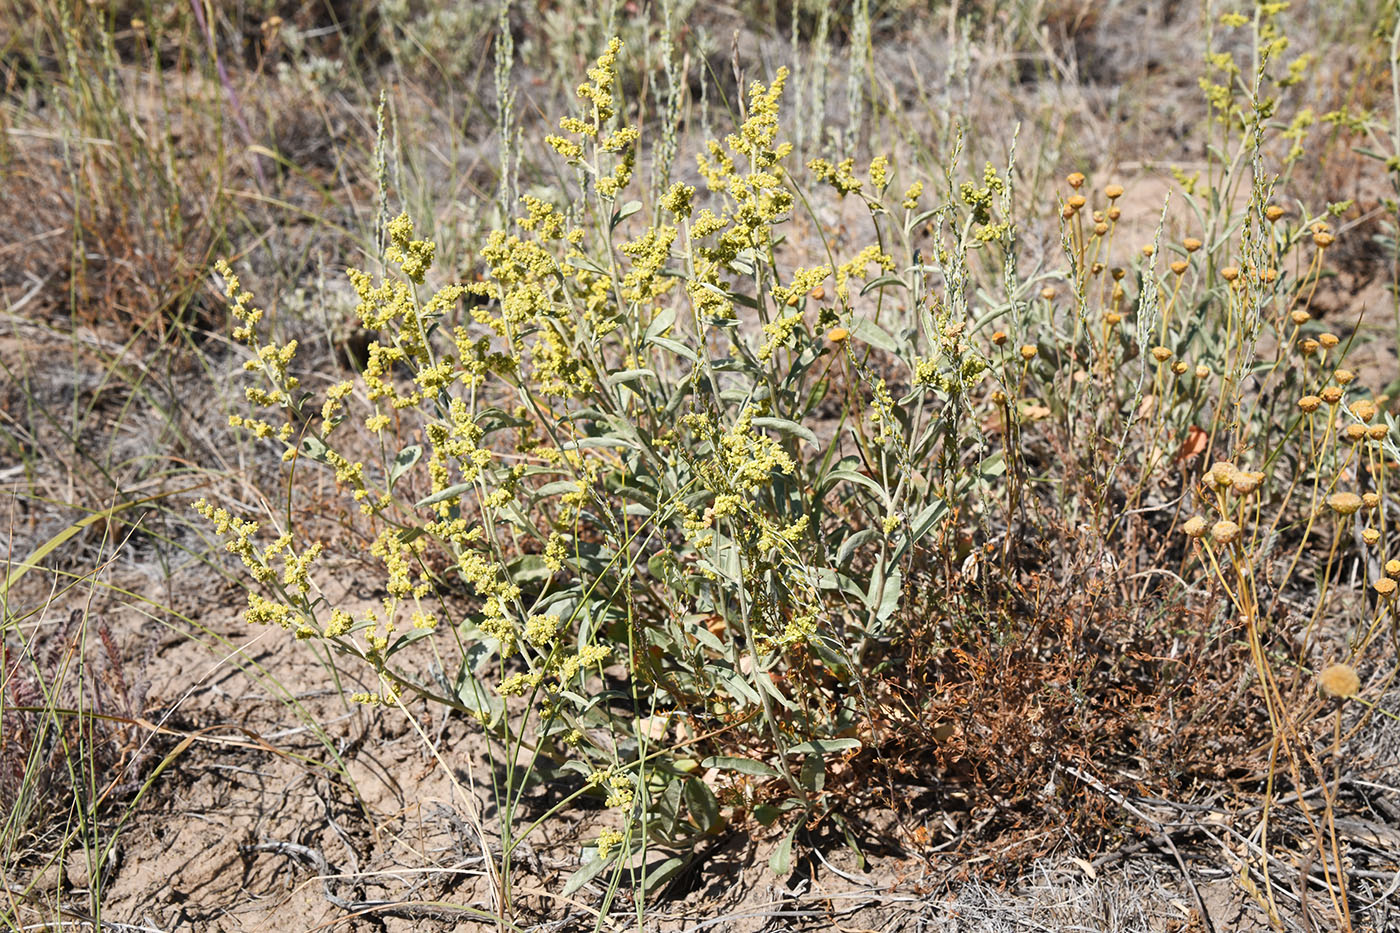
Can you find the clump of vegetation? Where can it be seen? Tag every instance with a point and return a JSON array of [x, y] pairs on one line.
[[745, 471]]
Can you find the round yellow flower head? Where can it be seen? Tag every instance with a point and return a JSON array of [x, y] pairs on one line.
[[1385, 586], [1364, 409], [1113, 192], [1222, 474], [1344, 503], [837, 334], [1224, 532], [1195, 527], [1075, 179], [1340, 681]]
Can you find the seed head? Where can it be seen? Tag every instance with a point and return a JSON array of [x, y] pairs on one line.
[[1192, 244], [1322, 240], [1202, 370], [1384, 586], [999, 337], [1308, 347], [1299, 317], [1328, 341], [1340, 681], [1179, 367], [1229, 273], [1100, 229], [1344, 377], [1028, 352], [1273, 212], [1356, 433], [1332, 395], [1114, 213], [1309, 403], [1117, 272], [1377, 432], [1344, 503], [1319, 226], [1066, 212], [1195, 527], [1161, 354], [1096, 268], [1392, 567], [1224, 532], [1047, 293], [1113, 192], [1112, 318], [1370, 536], [1076, 201], [1075, 179], [1370, 499]]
